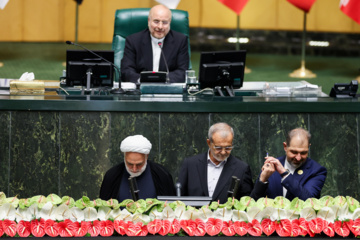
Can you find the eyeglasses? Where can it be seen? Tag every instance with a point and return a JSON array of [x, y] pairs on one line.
[[157, 22], [227, 149]]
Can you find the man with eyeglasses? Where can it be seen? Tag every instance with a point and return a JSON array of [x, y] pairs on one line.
[[143, 49], [210, 173]]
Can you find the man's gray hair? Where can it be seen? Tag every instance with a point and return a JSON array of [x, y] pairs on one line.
[[297, 132], [222, 127]]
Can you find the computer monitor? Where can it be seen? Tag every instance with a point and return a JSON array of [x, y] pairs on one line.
[[81, 64], [221, 69]]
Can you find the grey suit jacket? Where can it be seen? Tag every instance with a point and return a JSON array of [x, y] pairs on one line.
[[193, 178]]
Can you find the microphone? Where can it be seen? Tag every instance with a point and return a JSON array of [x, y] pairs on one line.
[[178, 189], [233, 189], [114, 91], [134, 189], [167, 68]]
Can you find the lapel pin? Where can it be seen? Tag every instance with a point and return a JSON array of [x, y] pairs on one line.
[[300, 172]]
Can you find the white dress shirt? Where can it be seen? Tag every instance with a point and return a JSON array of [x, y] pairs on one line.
[[213, 174], [292, 170], [156, 52]]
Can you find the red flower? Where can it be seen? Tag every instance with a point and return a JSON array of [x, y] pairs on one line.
[[136, 229], [81, 229], [268, 226], [295, 228], [154, 226], [303, 227], [354, 226], [316, 225], [254, 228], [9, 227], [213, 226], [228, 228], [120, 227], [94, 228], [188, 226], [51, 228], [106, 228], [165, 227], [175, 227], [38, 227], [66, 228], [241, 228], [341, 229], [24, 228], [283, 228], [143, 231], [200, 228], [329, 229], [1, 228]]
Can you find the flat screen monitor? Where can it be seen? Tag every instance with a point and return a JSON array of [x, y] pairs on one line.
[[222, 68], [80, 62]]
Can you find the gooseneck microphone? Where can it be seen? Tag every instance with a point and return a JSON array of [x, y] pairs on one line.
[[167, 68], [117, 91]]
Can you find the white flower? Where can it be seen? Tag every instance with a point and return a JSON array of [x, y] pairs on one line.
[[121, 215], [47, 211], [7, 211], [62, 212], [90, 214], [308, 213], [223, 213], [204, 214], [104, 213], [168, 214], [23, 214], [270, 213], [241, 216], [76, 214]]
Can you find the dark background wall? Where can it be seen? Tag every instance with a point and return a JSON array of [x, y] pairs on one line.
[[68, 153]]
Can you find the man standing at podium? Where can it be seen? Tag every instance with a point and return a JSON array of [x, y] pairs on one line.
[[152, 178], [143, 49], [210, 173], [292, 175]]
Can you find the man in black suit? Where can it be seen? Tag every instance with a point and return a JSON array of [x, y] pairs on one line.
[[210, 173], [152, 178], [142, 50]]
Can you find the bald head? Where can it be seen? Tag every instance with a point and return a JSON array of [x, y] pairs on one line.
[[159, 21], [300, 134]]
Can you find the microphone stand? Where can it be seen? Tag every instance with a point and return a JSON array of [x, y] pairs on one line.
[[114, 91], [167, 68]]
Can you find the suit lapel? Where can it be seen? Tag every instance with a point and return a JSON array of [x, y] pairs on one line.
[[298, 175], [147, 51], [167, 50], [226, 173], [202, 170]]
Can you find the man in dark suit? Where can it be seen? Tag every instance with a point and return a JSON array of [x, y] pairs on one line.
[[210, 173], [292, 175], [143, 49]]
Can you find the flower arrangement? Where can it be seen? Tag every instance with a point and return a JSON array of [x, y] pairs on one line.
[[54, 216]]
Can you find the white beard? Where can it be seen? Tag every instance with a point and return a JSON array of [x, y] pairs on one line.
[[132, 174]]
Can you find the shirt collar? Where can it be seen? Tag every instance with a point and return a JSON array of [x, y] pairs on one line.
[[211, 162], [157, 40], [287, 165]]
